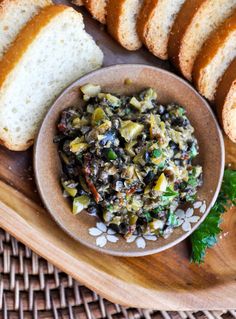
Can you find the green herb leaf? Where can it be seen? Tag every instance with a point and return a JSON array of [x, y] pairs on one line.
[[169, 194], [111, 155], [181, 111], [193, 152], [193, 181], [207, 234], [156, 153], [172, 219], [148, 216]]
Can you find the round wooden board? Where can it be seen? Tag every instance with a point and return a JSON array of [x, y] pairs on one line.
[[165, 281]]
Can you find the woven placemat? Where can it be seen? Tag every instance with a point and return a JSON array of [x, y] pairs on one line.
[[30, 287]]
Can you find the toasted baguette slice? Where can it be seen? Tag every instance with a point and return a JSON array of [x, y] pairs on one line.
[[214, 58], [193, 25], [155, 22], [97, 8], [46, 56], [14, 14], [122, 22], [225, 101]]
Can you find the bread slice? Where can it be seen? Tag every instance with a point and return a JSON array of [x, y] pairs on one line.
[[225, 101], [14, 14], [97, 8], [122, 20], [78, 2], [155, 22], [193, 25], [46, 56], [214, 58]]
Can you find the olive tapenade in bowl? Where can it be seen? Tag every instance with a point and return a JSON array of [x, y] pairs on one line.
[[123, 160]]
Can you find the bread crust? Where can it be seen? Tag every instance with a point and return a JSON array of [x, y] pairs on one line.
[[5, 3], [144, 18], [180, 28], [211, 47], [226, 85], [25, 38], [115, 11], [19, 46], [92, 7]]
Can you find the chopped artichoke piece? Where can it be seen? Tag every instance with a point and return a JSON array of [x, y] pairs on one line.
[[157, 161], [129, 148], [70, 187], [78, 123], [198, 171], [80, 203], [104, 127], [136, 204], [147, 189], [150, 95], [138, 159], [156, 224], [133, 219], [98, 115], [90, 90], [134, 102], [130, 130], [107, 216], [161, 184], [154, 129], [78, 146], [112, 99]]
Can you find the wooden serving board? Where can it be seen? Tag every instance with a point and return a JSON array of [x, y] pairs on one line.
[[166, 281]]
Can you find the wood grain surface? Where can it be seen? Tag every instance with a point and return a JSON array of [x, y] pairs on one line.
[[165, 281]]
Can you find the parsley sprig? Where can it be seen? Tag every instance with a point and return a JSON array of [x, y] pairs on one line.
[[206, 235]]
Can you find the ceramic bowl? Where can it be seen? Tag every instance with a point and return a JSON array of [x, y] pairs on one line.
[[88, 229]]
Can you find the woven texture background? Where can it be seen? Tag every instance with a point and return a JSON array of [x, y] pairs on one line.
[[30, 287]]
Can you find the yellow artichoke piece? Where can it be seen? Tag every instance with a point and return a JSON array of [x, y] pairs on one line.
[[130, 130], [156, 224], [90, 90], [98, 115], [72, 191], [80, 203], [78, 146], [161, 184]]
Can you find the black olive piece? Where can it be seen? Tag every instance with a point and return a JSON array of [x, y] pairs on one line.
[[165, 116], [118, 185], [115, 227], [149, 177], [58, 138], [146, 157], [180, 121], [66, 147], [172, 118], [160, 109], [108, 137], [139, 230], [178, 162], [141, 221], [173, 146], [139, 191], [182, 185], [93, 210], [71, 171], [123, 228], [190, 144], [81, 192]]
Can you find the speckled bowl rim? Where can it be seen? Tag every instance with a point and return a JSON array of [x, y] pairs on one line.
[[183, 236]]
